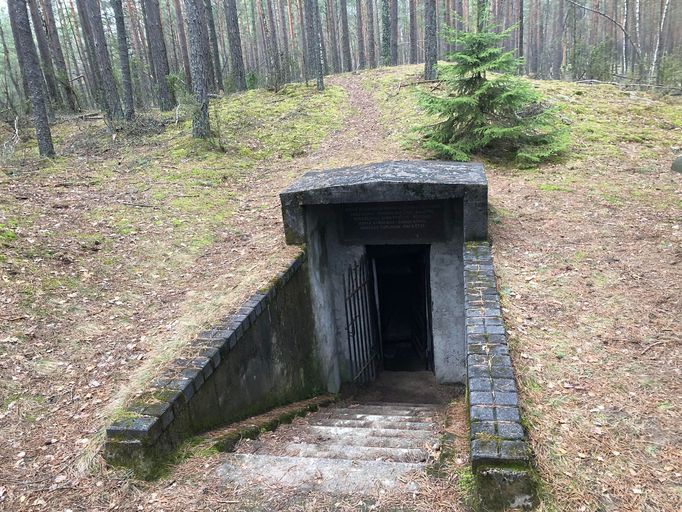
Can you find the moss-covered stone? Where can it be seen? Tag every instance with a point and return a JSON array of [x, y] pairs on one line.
[[677, 164]]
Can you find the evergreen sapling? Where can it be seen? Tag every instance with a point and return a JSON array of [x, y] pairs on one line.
[[486, 109]]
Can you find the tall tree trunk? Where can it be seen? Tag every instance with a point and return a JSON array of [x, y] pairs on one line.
[[315, 56], [654, 73], [521, 19], [558, 49], [62, 73], [45, 57], [447, 22], [124, 60], [30, 68], [195, 25], [104, 60], [430, 47], [414, 43], [159, 57], [285, 60], [8, 63], [183, 42], [333, 39], [213, 38], [385, 33], [304, 41], [362, 59], [345, 37], [274, 45], [371, 38], [235, 42], [394, 32], [93, 31]]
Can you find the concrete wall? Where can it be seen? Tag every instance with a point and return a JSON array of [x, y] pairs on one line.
[[264, 356], [329, 260]]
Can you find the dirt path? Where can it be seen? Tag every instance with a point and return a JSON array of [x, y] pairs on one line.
[[363, 139]]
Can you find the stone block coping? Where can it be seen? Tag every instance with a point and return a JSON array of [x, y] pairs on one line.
[[499, 447]]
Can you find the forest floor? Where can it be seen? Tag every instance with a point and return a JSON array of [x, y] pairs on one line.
[[115, 253]]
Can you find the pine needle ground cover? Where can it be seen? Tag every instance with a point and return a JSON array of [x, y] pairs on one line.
[[588, 263]]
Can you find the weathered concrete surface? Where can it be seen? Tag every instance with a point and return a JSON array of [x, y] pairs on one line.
[[261, 357], [414, 180], [329, 452]]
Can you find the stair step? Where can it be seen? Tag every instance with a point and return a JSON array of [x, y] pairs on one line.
[[343, 451], [342, 415], [370, 433], [406, 405], [355, 437], [373, 424], [389, 411], [315, 473]]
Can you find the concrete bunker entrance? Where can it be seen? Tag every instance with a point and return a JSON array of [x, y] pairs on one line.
[[385, 249], [403, 304]]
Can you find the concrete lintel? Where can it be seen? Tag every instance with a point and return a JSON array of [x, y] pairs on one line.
[[415, 180]]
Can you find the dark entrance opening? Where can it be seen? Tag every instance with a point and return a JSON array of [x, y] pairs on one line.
[[403, 299]]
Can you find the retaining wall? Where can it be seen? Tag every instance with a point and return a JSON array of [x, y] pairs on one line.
[[500, 456], [259, 358]]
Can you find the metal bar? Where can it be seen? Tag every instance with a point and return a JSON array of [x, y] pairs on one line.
[[366, 319], [348, 329]]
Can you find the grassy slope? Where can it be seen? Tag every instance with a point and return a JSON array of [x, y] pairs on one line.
[[587, 254], [114, 253]]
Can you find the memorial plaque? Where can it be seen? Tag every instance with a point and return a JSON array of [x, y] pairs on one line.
[[404, 222]]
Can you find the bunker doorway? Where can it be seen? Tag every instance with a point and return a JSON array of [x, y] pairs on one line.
[[403, 304]]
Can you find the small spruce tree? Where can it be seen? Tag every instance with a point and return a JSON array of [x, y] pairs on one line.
[[486, 109]]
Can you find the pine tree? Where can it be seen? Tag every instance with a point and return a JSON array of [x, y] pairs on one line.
[[496, 114]]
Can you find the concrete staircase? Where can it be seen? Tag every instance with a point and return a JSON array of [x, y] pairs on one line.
[[352, 448]]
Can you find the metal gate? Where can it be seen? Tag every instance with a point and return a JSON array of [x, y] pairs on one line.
[[361, 324]]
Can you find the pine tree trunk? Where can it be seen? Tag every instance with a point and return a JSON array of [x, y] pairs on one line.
[[394, 32], [558, 42], [371, 38], [430, 47], [30, 68], [198, 63], [62, 73], [183, 42], [362, 59], [303, 41], [274, 46], [100, 63], [8, 63], [213, 38], [385, 33], [159, 57], [333, 39], [104, 60], [124, 60], [521, 20], [45, 57], [235, 42], [315, 56], [285, 60], [447, 22], [345, 37], [414, 43]]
